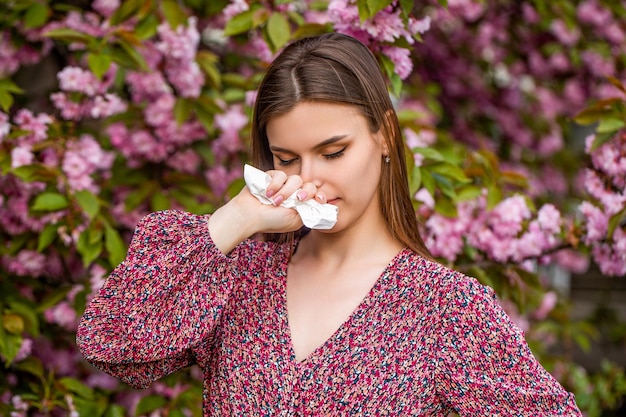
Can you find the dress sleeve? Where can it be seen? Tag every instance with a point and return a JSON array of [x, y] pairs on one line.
[[166, 296], [485, 367]]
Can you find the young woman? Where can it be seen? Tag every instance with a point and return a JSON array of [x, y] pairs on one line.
[[354, 320]]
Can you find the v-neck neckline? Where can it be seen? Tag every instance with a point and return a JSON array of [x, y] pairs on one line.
[[360, 309]]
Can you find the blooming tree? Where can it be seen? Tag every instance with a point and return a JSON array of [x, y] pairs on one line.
[[124, 107]]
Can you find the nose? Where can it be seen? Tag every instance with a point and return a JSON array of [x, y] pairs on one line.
[[309, 172]]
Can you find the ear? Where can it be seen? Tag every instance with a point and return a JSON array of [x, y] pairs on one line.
[[387, 129]]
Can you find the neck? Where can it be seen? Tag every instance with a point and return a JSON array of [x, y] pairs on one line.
[[351, 245]]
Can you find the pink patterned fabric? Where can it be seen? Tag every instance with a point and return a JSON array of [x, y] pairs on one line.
[[425, 341]]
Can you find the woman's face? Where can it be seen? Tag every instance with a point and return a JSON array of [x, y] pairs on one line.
[[331, 146]]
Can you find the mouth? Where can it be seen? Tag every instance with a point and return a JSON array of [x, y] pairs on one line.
[[333, 201]]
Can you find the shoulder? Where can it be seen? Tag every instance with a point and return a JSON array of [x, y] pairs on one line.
[[446, 286]]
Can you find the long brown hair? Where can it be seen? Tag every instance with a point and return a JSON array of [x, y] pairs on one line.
[[337, 68]]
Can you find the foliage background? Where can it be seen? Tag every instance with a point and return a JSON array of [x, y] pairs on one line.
[[513, 112]]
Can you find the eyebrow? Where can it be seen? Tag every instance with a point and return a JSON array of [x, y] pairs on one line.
[[320, 145]]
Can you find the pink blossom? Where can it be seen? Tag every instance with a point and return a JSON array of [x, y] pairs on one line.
[[78, 80], [234, 8], [180, 45], [5, 126], [401, 59], [219, 178], [9, 63], [598, 65], [159, 112], [548, 302], [36, 125], [147, 87], [186, 77], [549, 219], [107, 105], [568, 36], [70, 110], [596, 221], [27, 263], [21, 155], [25, 349], [186, 161], [507, 216], [591, 12], [571, 260], [105, 7], [62, 314]]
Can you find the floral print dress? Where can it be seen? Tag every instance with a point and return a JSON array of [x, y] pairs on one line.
[[425, 341]]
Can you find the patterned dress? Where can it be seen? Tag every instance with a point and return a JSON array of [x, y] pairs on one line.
[[425, 341]]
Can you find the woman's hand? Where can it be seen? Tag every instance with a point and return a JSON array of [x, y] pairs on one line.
[[245, 215]]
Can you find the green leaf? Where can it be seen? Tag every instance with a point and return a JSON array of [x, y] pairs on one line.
[[8, 85], [147, 27], [239, 24], [173, 13], [149, 404], [277, 30], [13, 323], [446, 207], [429, 153], [99, 64], [9, 345], [28, 314], [610, 125], [47, 236], [115, 410], [135, 57], [182, 110], [53, 298], [36, 15], [77, 387], [468, 192], [375, 6], [31, 365], [494, 196], [450, 171], [6, 100], [208, 63], [68, 35], [160, 202], [601, 139], [88, 202], [114, 245], [88, 247], [125, 11], [309, 29], [615, 221], [49, 201]]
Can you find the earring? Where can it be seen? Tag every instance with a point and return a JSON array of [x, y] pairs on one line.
[[387, 159]]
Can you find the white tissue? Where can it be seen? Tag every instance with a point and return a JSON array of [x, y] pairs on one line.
[[314, 215]]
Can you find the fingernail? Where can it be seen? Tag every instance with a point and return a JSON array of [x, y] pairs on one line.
[[319, 197], [270, 193], [301, 195], [277, 200]]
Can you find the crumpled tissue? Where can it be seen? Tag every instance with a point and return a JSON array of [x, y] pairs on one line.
[[314, 214]]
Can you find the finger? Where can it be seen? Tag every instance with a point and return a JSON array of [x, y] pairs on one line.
[[307, 191], [321, 197], [290, 186], [277, 181]]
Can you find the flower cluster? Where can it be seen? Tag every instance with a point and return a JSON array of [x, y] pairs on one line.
[[382, 31], [606, 184], [507, 233]]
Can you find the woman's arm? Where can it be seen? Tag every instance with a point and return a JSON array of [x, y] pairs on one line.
[[486, 366], [166, 296]]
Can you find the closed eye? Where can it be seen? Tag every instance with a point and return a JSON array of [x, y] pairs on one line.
[[285, 162], [335, 154]]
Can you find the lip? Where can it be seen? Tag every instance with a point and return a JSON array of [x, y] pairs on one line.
[[333, 201]]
